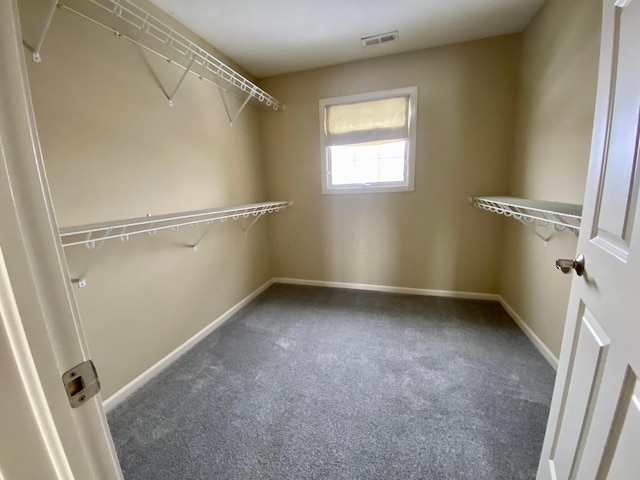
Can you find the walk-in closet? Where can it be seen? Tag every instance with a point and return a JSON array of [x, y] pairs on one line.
[[304, 240]]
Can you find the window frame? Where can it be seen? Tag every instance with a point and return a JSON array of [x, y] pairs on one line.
[[410, 154]]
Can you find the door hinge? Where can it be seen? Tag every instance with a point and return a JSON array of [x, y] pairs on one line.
[[81, 383]]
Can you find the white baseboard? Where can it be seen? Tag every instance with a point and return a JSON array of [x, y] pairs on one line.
[[118, 397], [539, 344], [385, 288]]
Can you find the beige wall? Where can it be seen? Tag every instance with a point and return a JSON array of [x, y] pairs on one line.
[[556, 101], [430, 238], [114, 149]]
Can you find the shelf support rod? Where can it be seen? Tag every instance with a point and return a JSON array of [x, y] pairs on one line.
[[253, 222], [184, 74], [226, 107], [47, 24], [224, 103], [204, 234], [244, 104], [82, 282]]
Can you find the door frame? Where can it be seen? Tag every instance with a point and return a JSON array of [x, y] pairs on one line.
[[39, 311]]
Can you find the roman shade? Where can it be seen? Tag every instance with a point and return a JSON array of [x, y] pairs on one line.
[[364, 122]]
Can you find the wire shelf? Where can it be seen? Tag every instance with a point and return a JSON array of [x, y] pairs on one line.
[[95, 235], [163, 36], [563, 216], [98, 232]]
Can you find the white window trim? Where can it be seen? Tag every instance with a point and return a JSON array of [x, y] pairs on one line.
[[412, 92]]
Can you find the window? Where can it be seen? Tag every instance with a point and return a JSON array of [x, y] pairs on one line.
[[367, 142]]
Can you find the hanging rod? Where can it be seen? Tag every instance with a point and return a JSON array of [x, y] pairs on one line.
[[95, 235], [142, 20], [563, 216]]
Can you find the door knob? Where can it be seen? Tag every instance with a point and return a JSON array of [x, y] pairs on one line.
[[566, 265]]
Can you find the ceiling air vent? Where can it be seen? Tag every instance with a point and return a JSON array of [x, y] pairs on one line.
[[378, 39]]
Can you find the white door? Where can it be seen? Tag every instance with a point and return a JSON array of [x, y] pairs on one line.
[[40, 332], [594, 423]]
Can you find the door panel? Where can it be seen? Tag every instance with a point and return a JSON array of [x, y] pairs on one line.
[[626, 461], [589, 356], [621, 458], [616, 203]]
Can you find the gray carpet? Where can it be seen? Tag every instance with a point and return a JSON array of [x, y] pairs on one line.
[[309, 383]]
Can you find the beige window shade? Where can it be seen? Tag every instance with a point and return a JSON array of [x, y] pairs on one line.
[[363, 122]]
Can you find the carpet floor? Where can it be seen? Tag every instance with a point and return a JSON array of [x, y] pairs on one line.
[[319, 383]]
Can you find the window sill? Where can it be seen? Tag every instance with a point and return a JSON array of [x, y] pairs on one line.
[[371, 189]]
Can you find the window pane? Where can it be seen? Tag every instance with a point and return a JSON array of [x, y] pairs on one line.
[[342, 171], [367, 171], [366, 152], [369, 163], [392, 149], [392, 170]]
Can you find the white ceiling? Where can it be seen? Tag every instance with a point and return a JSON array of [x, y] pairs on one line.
[[269, 37]]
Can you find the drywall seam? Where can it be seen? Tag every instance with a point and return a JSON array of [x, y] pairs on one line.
[[539, 344], [389, 289], [122, 394]]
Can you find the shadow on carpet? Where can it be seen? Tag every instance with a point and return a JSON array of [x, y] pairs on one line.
[[309, 383]]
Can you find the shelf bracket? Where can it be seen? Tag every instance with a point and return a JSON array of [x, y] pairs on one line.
[[81, 280], [184, 74], [535, 232], [226, 107], [47, 24]]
